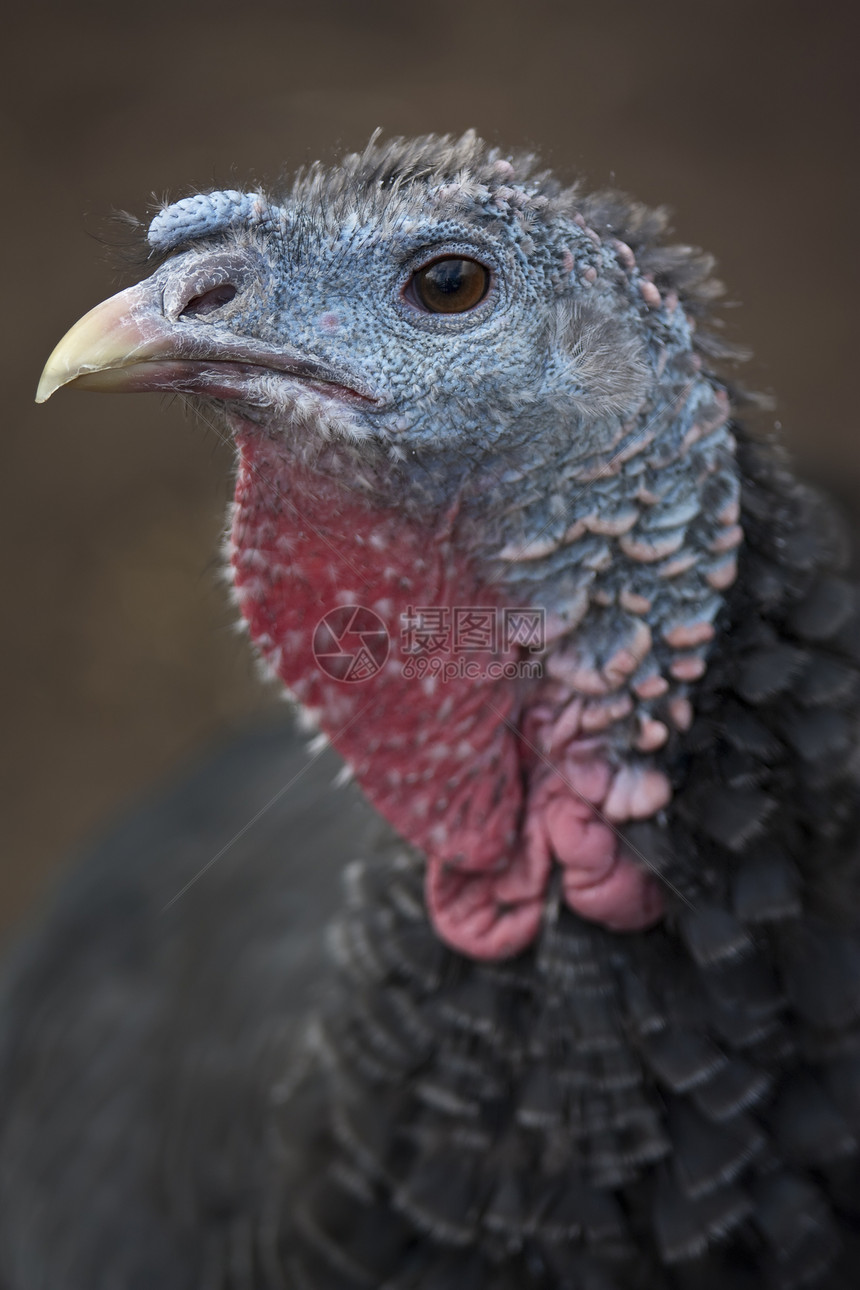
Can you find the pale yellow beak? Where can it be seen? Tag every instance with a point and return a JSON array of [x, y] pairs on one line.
[[104, 347], [134, 343]]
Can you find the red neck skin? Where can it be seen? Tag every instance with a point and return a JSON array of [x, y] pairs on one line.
[[453, 764]]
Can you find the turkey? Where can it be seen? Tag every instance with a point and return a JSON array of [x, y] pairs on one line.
[[562, 991]]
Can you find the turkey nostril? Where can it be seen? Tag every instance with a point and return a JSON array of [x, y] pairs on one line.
[[209, 301]]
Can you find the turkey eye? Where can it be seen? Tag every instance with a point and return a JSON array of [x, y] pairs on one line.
[[452, 285]]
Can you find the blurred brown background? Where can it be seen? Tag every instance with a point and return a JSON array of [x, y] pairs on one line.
[[118, 656]]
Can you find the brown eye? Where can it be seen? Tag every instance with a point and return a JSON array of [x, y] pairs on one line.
[[452, 285]]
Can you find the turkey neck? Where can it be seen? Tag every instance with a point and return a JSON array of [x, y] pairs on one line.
[[497, 774], [440, 754]]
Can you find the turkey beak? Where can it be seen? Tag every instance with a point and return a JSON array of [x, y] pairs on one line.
[[153, 337], [113, 347]]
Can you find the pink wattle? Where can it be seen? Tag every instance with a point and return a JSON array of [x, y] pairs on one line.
[[440, 758]]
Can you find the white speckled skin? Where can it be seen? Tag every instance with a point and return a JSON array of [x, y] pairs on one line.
[[564, 434]]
